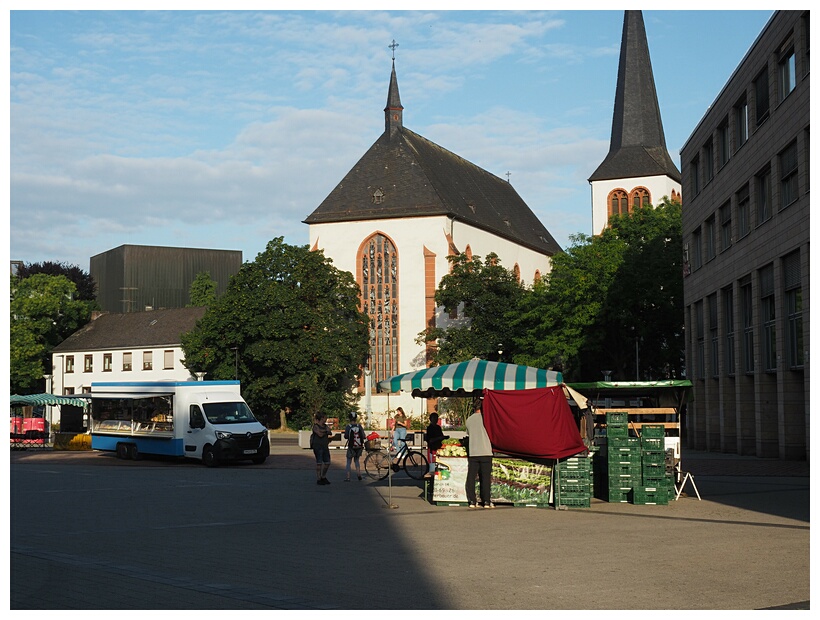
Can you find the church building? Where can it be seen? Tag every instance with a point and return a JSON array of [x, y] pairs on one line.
[[638, 169], [393, 220]]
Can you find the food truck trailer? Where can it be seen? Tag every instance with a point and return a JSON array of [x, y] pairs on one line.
[[205, 420]]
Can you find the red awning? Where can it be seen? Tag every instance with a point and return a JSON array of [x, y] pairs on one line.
[[535, 423]]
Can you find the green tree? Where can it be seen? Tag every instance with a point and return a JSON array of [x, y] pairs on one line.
[[43, 314], [300, 337], [602, 294], [203, 290], [86, 286], [485, 293]]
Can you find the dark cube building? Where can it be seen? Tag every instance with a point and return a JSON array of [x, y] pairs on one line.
[[139, 277]]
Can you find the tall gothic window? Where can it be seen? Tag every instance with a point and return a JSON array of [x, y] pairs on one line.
[[640, 198], [378, 278], [618, 203]]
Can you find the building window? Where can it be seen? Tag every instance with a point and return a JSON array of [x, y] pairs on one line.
[[126, 361], [763, 195], [723, 143], [741, 123], [709, 233], [788, 175], [640, 198], [694, 171], [747, 345], [713, 334], [767, 318], [618, 203], [88, 363], [69, 363], [743, 212], [794, 310], [68, 391], [700, 363], [762, 97], [378, 260], [696, 256], [729, 331], [786, 73], [147, 360], [726, 226], [168, 360], [107, 362], [708, 161]]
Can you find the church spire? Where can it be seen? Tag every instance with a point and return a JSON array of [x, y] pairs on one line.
[[393, 109], [637, 146]]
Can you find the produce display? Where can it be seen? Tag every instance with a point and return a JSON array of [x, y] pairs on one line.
[[518, 481], [451, 447]]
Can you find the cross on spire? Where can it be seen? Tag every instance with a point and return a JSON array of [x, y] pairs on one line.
[[508, 176], [393, 47]]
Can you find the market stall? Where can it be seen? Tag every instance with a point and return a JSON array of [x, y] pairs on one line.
[[527, 417]]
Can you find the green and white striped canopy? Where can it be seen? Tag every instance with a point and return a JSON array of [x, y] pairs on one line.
[[466, 377], [47, 399]]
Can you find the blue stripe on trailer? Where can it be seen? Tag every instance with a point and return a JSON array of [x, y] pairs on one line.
[[166, 446]]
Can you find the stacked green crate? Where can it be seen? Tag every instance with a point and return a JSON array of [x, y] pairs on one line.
[[654, 487], [623, 457], [574, 486]]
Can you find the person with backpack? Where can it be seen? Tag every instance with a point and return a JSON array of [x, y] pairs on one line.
[[354, 433]]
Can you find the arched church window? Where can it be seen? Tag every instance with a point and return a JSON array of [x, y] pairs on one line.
[[618, 202], [537, 276], [517, 272], [378, 279], [640, 197]]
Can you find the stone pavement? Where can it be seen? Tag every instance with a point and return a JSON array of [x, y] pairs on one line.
[[88, 531]]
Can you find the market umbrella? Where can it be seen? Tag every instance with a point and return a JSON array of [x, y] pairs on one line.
[[466, 377]]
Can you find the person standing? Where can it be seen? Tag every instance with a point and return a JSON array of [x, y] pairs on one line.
[[320, 444], [354, 434], [434, 436], [479, 460], [400, 428]]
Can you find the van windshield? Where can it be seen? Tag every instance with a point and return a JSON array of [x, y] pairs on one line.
[[228, 413]]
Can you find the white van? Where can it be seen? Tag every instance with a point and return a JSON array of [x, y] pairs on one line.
[[206, 420]]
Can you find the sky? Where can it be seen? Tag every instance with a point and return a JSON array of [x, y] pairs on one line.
[[225, 129]]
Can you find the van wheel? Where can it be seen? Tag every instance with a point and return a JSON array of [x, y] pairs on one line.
[[122, 451], [209, 457], [133, 452]]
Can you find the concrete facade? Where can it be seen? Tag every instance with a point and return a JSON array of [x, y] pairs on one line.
[[745, 228]]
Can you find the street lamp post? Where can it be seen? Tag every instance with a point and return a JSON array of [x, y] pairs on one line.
[[235, 362]]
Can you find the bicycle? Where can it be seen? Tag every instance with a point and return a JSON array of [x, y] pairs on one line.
[[378, 460]]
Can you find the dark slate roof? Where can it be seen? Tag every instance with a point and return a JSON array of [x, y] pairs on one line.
[[637, 146], [152, 328], [420, 178]]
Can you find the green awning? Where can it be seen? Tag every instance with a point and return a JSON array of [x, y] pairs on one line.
[[47, 399]]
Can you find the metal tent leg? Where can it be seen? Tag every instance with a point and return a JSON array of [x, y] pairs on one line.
[[686, 476]]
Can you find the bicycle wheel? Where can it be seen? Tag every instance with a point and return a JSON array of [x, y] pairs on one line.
[[415, 464], [377, 465]]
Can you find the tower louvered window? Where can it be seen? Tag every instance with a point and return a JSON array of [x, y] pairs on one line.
[[378, 262]]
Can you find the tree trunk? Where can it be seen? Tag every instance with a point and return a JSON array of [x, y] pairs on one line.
[[283, 420]]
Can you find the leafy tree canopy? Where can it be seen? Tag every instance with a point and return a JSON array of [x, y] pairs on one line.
[[86, 287], [484, 293], [606, 292], [43, 314], [298, 334], [203, 290]]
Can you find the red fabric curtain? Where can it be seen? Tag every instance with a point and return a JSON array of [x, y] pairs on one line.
[[535, 423]]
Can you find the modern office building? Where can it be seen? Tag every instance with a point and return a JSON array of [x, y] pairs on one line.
[[134, 278], [745, 228]]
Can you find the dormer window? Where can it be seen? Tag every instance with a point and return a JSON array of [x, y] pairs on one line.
[[378, 197]]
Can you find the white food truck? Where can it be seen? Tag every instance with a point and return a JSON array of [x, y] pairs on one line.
[[205, 420]]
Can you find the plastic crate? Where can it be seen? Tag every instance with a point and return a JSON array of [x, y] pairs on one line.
[[572, 490], [616, 417], [617, 430], [624, 442], [652, 443], [653, 470], [653, 458], [650, 495], [653, 431], [575, 502], [618, 495]]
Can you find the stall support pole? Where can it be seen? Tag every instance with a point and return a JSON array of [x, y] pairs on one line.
[[687, 476]]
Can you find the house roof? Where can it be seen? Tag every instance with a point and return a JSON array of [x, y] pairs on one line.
[[637, 146], [418, 178], [151, 328]]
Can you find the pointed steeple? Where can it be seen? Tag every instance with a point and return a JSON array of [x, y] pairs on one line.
[[637, 147], [393, 109]]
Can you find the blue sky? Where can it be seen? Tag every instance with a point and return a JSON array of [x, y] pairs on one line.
[[225, 129]]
